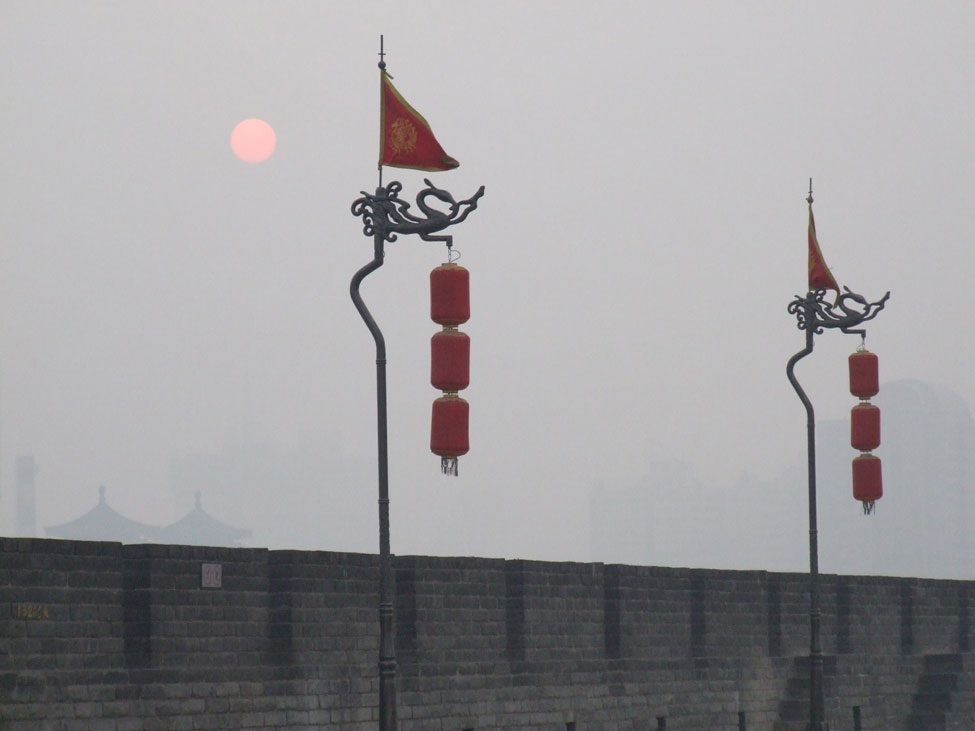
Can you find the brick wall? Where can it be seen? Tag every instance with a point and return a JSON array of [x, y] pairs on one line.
[[106, 636]]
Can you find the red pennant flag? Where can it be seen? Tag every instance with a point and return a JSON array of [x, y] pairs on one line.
[[820, 276], [406, 140]]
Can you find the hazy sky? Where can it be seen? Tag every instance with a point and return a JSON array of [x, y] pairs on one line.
[[642, 232]]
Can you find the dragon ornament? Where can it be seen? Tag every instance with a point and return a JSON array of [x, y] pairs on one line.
[[848, 310], [386, 215]]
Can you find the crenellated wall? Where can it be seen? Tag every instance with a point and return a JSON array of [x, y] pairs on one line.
[[118, 637]]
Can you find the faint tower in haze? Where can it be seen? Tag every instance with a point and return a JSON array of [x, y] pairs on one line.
[[26, 518]]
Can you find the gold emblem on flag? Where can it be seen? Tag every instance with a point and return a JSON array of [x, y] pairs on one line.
[[402, 136]]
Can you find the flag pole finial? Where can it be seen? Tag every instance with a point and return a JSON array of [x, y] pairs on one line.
[[382, 70], [809, 198]]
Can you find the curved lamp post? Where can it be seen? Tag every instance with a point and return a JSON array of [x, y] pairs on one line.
[[385, 216], [814, 315]]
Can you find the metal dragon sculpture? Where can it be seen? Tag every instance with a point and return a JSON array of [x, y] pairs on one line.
[[813, 311], [386, 215]]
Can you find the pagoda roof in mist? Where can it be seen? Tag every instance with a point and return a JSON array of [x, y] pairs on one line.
[[103, 523], [199, 527]]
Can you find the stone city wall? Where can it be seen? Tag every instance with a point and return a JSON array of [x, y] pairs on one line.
[[118, 637]]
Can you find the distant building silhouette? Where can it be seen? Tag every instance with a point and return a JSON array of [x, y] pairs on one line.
[[921, 527], [198, 527], [103, 523], [289, 495]]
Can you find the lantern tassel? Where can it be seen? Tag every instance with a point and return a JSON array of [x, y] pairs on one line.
[[868, 506], [448, 465]]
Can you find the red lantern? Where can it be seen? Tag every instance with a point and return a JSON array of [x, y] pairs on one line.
[[448, 432], [450, 301], [864, 379], [868, 483], [865, 427], [450, 356], [450, 360]]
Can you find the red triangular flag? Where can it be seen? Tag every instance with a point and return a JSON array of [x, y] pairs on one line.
[[405, 138], [820, 276]]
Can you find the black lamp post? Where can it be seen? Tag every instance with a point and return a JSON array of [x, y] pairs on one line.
[[814, 314], [384, 217]]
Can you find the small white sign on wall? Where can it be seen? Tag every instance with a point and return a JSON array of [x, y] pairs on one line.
[[212, 576]]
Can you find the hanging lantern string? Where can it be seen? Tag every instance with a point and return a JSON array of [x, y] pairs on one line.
[[863, 342], [453, 254]]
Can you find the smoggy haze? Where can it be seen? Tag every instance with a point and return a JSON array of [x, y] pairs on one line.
[[175, 319]]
